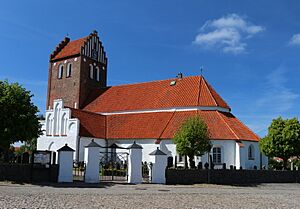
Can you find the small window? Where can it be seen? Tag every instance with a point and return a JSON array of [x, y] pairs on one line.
[[217, 155], [69, 69], [60, 71], [91, 72], [251, 152], [97, 74]]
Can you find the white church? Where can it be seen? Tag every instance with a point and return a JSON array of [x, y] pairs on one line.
[[81, 107]]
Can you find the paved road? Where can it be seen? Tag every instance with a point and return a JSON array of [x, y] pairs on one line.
[[148, 196]]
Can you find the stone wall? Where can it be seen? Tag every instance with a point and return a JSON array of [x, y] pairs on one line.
[[182, 176], [27, 173]]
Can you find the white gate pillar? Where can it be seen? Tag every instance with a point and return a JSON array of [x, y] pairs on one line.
[[65, 161], [135, 164], [92, 160], [159, 164]]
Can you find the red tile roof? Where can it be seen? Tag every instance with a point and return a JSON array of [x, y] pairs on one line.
[[160, 125], [222, 126], [91, 124], [188, 91], [72, 48]]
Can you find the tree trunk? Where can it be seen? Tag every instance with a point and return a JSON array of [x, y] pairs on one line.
[[192, 162], [285, 163], [185, 162]]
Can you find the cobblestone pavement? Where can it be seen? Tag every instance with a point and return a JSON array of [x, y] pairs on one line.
[[148, 196]]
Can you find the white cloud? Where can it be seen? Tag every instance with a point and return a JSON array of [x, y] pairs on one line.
[[295, 40], [228, 33]]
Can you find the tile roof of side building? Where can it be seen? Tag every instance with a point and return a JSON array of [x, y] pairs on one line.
[[187, 92]]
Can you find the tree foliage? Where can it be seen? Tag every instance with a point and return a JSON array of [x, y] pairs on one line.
[[192, 139], [18, 115], [282, 140]]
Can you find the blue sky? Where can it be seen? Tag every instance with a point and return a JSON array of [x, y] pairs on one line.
[[249, 51]]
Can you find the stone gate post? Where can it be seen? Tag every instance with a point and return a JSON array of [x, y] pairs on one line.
[[159, 164], [92, 160], [135, 164], [65, 161]]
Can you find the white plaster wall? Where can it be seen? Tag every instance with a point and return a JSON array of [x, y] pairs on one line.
[[135, 166], [147, 144], [158, 169], [228, 150], [65, 161], [53, 140], [92, 160], [84, 141], [249, 164]]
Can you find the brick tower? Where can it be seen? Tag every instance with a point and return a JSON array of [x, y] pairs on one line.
[[76, 68]]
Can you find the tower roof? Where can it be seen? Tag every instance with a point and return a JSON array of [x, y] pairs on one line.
[[71, 48], [82, 46]]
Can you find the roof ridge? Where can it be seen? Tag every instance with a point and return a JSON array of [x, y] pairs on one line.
[[205, 83], [228, 125], [199, 91], [143, 82], [246, 126], [167, 124], [85, 111]]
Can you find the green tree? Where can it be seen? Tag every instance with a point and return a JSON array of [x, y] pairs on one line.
[[18, 115], [192, 139], [282, 140]]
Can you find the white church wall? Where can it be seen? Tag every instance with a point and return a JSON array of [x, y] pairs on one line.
[[58, 129], [147, 144], [84, 141], [257, 160]]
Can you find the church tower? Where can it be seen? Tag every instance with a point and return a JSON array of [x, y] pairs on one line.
[[76, 68]]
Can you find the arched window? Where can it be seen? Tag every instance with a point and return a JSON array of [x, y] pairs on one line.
[[60, 71], [69, 69], [251, 152], [97, 74], [217, 155], [48, 125], [64, 124], [91, 72]]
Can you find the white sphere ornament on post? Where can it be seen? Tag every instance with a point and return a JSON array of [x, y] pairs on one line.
[[65, 161], [92, 160], [159, 165], [135, 164]]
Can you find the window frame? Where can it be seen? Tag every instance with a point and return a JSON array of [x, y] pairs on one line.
[[60, 71], [251, 155], [69, 70], [91, 71], [97, 74], [217, 155]]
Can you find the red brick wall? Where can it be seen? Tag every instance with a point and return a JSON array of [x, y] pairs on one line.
[[77, 87]]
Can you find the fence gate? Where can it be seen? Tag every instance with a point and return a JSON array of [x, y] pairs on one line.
[[146, 172], [78, 171], [113, 166]]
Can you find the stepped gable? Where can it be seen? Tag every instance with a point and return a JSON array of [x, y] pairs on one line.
[[69, 48], [91, 124], [187, 91]]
